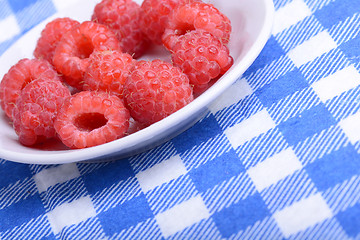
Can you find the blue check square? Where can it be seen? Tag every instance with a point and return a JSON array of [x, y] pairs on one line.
[[334, 168], [108, 175], [349, 220], [306, 124], [351, 49], [125, 215], [285, 85], [337, 11], [216, 171], [199, 133], [241, 215], [21, 212], [18, 172]]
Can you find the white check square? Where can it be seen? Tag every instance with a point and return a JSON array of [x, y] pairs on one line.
[[52, 176], [71, 213], [273, 169], [160, 173], [302, 215], [181, 216], [337, 83], [259, 123], [289, 15], [312, 48]]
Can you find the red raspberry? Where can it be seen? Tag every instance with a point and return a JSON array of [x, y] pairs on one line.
[[51, 35], [156, 89], [155, 17], [73, 50], [23, 72], [108, 71], [36, 109], [91, 118], [201, 56], [201, 16], [122, 17]]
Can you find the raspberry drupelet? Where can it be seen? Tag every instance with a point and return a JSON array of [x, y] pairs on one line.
[[18, 76], [72, 53], [156, 16], [123, 18], [108, 71], [201, 56], [36, 109], [51, 35], [91, 118], [156, 89], [198, 16]]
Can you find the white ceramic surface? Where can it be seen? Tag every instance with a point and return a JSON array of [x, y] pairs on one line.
[[251, 22]]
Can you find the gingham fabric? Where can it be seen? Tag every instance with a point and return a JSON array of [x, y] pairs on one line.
[[276, 157]]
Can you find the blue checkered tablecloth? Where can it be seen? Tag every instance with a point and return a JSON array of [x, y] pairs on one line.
[[276, 157]]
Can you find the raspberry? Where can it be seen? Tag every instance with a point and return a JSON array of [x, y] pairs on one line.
[[72, 52], [155, 16], [201, 16], [51, 35], [122, 17], [201, 56], [108, 71], [91, 118], [36, 109], [20, 74], [156, 89]]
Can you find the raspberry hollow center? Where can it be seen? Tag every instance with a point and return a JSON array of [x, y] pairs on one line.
[[27, 80], [85, 48], [90, 121], [184, 29]]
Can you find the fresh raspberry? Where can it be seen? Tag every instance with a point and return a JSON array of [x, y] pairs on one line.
[[122, 17], [73, 50], [134, 126], [156, 89], [51, 35], [201, 56], [91, 118], [200, 89], [108, 71], [20, 74], [36, 109], [155, 17], [198, 16]]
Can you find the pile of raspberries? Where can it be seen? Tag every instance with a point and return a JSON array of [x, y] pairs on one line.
[[86, 82]]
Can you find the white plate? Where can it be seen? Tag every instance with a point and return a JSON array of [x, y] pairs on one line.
[[251, 21]]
